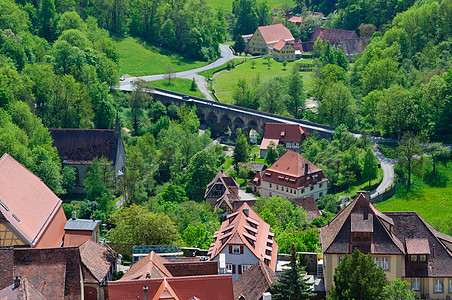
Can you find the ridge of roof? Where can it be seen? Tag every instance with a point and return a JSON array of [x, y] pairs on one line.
[[292, 164], [139, 269], [275, 32]]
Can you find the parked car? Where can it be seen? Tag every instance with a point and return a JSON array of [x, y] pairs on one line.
[[122, 78], [186, 97]]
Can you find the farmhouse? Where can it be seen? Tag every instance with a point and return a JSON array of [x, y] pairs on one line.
[[282, 51], [290, 136], [265, 37]]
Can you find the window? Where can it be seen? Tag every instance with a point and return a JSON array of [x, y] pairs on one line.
[[270, 185], [438, 286], [413, 258], [416, 284], [423, 258], [376, 261], [320, 185], [384, 263], [302, 191], [246, 267], [320, 194], [277, 187], [450, 285], [228, 268], [235, 249], [312, 188]]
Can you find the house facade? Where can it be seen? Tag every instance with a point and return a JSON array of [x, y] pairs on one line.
[[31, 215], [265, 37], [283, 51], [403, 244], [290, 136], [78, 231], [222, 192], [291, 176], [243, 240]]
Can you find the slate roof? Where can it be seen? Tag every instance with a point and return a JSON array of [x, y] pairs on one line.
[[214, 287], [273, 33], [283, 132], [83, 145], [236, 230], [24, 291], [53, 272], [192, 268], [336, 236], [254, 282], [29, 205], [97, 259], [310, 206], [81, 224], [408, 226]]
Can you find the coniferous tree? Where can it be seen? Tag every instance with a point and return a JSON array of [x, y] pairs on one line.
[[241, 149], [294, 285], [239, 44], [370, 168]]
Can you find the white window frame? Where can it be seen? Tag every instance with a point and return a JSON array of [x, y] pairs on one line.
[[416, 284], [229, 268], [450, 285], [439, 286], [384, 263], [340, 259], [245, 267], [377, 262], [235, 249]]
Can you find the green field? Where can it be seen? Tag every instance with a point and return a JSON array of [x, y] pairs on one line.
[[430, 196], [225, 81], [136, 58], [179, 85]]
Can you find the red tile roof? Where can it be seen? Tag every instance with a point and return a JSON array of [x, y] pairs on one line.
[[30, 206], [98, 259], [274, 33], [152, 265], [239, 235], [215, 287], [192, 268], [279, 45], [284, 132], [254, 282]]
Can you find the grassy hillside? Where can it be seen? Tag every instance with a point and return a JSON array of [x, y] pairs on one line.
[[430, 196], [225, 81], [179, 85], [136, 58]]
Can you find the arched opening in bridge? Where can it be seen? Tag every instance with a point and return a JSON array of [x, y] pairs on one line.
[[226, 120], [201, 116], [212, 119], [253, 125], [238, 123]]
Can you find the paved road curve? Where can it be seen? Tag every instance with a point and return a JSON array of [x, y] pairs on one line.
[[387, 165], [226, 55]]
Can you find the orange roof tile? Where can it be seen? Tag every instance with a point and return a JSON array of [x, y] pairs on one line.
[[97, 258], [153, 264], [29, 205], [279, 45], [274, 33], [241, 235], [295, 19], [293, 164]]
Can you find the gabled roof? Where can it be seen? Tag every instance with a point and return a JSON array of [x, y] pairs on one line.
[[254, 282], [293, 164], [335, 36], [97, 258], [24, 291], [279, 45], [284, 132], [409, 226], [295, 19], [273, 33], [310, 206], [83, 145], [236, 230], [335, 237], [29, 205], [151, 266], [192, 268], [214, 287], [222, 179], [54, 272]]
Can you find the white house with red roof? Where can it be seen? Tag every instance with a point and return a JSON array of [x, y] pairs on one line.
[[289, 135], [291, 176], [244, 239]]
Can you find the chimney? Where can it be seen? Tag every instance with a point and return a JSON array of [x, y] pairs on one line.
[[145, 292], [94, 219], [148, 275], [246, 211], [74, 215], [306, 167], [367, 194], [16, 282], [266, 296]]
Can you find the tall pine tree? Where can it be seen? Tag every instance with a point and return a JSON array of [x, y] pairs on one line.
[[294, 285]]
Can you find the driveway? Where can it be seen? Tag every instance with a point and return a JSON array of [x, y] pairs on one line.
[[387, 165], [226, 55]]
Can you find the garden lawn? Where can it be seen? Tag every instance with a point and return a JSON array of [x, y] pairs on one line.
[[361, 186], [178, 85], [430, 201], [136, 58], [226, 81]]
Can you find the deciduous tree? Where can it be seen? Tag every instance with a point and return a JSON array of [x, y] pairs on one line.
[[370, 166], [410, 151]]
